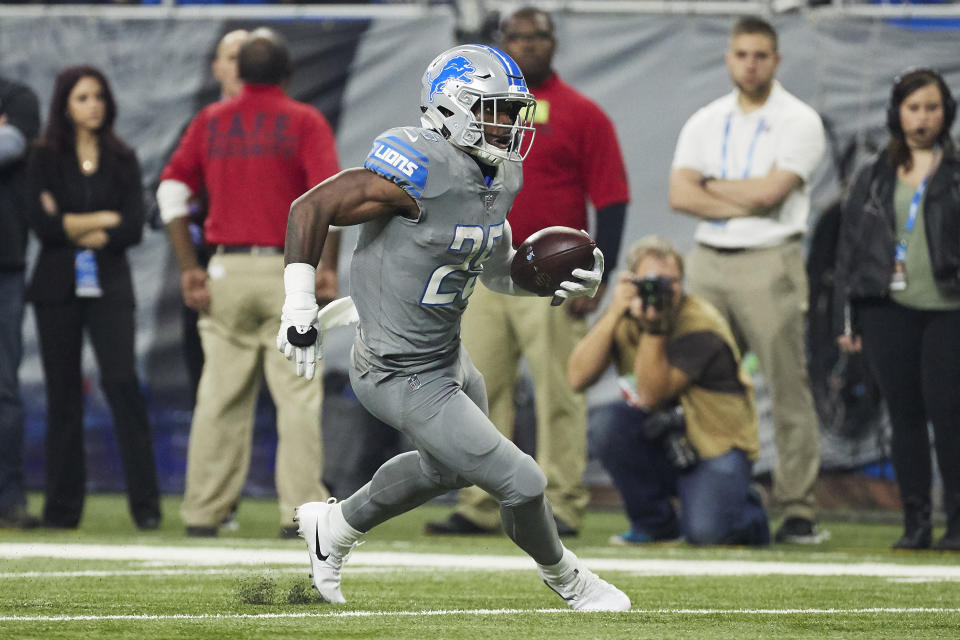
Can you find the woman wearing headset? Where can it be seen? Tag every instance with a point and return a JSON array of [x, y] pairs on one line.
[[898, 271]]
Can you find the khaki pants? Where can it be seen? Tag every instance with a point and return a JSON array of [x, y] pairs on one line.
[[497, 331], [239, 342], [763, 294]]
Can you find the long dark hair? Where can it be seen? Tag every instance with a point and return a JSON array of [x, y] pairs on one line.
[[903, 85], [60, 133]]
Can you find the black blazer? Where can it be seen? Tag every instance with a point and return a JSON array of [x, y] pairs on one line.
[[115, 186]]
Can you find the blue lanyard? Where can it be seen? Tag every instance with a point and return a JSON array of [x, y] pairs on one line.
[[753, 145], [901, 251]]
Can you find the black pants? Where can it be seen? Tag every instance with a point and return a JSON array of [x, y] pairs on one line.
[[111, 329], [915, 356]]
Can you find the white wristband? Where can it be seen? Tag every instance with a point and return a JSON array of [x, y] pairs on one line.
[[299, 277]]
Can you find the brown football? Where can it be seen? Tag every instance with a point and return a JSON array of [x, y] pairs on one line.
[[548, 257]]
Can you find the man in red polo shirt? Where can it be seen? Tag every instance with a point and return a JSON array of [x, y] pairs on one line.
[[575, 158], [253, 154]]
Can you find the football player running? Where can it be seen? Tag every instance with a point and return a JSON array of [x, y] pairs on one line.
[[432, 202]]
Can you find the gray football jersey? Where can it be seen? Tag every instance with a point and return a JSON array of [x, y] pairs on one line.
[[411, 279]]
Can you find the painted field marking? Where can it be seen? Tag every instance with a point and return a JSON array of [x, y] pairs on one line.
[[473, 612], [119, 573], [214, 556]]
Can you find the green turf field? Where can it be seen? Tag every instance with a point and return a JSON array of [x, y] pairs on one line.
[[107, 580]]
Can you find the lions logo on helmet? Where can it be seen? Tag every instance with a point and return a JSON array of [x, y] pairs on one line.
[[458, 69], [465, 92]]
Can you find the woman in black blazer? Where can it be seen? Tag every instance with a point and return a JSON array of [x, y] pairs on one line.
[[86, 209]]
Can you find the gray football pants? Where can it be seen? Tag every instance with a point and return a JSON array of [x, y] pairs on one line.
[[443, 413]]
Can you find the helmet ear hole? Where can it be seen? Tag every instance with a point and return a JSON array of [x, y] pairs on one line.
[[446, 112]]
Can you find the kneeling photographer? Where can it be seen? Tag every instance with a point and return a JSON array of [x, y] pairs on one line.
[[688, 427]]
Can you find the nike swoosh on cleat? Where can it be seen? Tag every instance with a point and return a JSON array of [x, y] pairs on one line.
[[320, 556]]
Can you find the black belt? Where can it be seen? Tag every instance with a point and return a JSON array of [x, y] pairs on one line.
[[245, 248], [734, 250], [725, 250]]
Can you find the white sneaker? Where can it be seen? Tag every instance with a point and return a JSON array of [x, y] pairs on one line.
[[326, 558], [586, 591]]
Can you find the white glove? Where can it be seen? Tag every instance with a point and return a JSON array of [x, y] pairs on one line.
[[299, 338], [587, 281]]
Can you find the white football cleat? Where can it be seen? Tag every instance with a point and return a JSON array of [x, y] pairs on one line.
[[584, 590], [326, 558]]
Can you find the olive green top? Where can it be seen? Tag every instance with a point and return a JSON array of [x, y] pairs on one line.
[[922, 291]]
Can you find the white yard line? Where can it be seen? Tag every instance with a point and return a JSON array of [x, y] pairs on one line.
[[223, 556], [108, 573], [475, 612]]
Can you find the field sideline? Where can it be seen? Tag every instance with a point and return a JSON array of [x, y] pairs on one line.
[[106, 580]]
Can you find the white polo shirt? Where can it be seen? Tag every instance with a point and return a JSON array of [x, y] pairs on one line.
[[721, 140]]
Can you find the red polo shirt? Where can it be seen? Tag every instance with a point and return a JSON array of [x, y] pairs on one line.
[[575, 158], [254, 154]]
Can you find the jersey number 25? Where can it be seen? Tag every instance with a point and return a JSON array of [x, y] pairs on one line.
[[474, 244]]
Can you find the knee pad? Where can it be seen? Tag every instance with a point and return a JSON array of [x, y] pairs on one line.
[[527, 482]]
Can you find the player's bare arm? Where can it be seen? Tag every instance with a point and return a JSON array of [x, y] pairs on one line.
[[351, 197], [688, 195]]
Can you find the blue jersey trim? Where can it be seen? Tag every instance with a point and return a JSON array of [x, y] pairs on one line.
[[424, 160], [393, 161]]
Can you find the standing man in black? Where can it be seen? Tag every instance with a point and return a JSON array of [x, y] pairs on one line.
[[19, 124]]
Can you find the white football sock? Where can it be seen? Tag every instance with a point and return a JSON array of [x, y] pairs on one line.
[[554, 572], [341, 533]]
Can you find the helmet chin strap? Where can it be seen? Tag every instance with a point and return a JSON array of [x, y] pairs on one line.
[[485, 157], [481, 155]]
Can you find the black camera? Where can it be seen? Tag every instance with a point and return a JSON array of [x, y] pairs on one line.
[[655, 291], [669, 429]]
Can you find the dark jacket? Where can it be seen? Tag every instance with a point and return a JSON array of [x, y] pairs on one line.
[[19, 104], [868, 236], [116, 187]]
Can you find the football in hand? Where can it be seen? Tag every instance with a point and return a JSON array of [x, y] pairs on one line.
[[549, 256]]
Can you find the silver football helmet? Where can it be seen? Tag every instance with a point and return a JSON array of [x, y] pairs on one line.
[[464, 95]]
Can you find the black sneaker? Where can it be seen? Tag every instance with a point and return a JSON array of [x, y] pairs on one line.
[[18, 518], [949, 542], [149, 523], [457, 525], [565, 530], [800, 531]]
